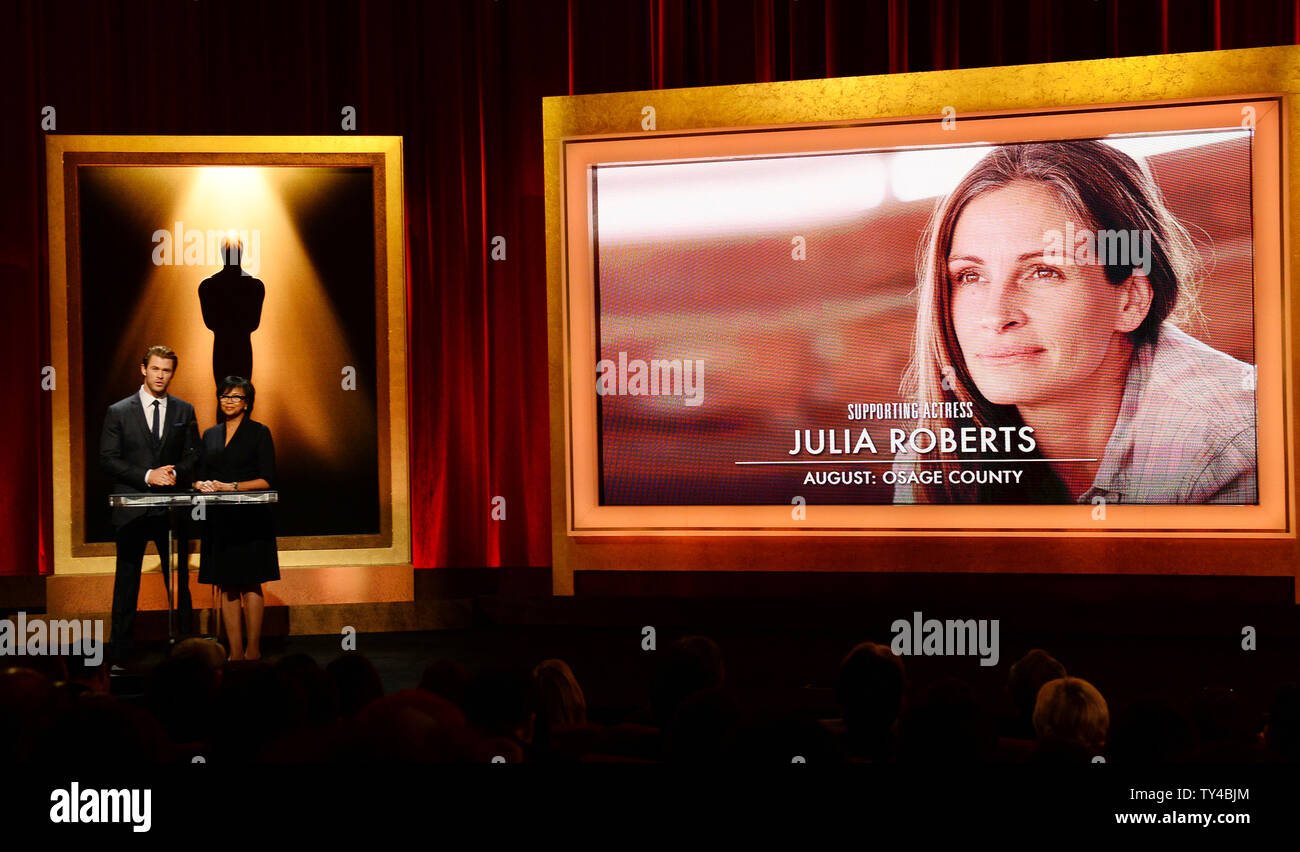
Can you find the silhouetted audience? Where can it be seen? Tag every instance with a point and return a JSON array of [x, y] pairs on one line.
[[101, 731], [181, 694], [27, 706], [685, 667], [1224, 728], [356, 680], [869, 689], [559, 696], [947, 725], [562, 731], [196, 703], [446, 679], [211, 652], [312, 687], [1282, 732], [254, 707], [1026, 677], [1151, 731], [86, 677], [501, 706], [410, 726], [706, 728]]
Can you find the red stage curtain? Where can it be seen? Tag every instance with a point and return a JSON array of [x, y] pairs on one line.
[[462, 82]]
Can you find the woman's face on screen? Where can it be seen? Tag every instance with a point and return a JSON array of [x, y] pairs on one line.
[[1031, 327]]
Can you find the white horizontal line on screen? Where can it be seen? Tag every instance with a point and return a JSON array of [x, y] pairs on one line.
[[920, 461]]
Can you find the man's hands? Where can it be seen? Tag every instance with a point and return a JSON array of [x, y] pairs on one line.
[[165, 475]]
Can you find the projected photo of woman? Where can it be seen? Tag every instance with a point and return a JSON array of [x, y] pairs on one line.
[[239, 551], [1046, 292]]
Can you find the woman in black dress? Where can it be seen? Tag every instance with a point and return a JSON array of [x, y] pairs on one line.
[[238, 552]]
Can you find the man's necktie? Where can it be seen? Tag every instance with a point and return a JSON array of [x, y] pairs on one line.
[[157, 435]]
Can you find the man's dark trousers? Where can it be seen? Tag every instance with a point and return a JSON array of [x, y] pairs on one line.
[[132, 540]]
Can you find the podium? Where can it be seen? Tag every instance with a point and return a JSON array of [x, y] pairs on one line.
[[174, 503]]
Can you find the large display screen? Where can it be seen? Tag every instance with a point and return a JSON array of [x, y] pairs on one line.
[[1053, 311]]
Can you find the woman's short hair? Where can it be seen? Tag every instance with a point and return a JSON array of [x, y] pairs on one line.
[[1071, 710], [1104, 189], [230, 383], [559, 695]]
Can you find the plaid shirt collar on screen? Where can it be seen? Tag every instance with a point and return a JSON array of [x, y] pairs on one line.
[[1186, 428]]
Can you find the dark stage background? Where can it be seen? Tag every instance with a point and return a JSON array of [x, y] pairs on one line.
[[463, 82]]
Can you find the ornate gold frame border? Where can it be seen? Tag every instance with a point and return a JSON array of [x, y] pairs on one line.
[[918, 97], [392, 545]]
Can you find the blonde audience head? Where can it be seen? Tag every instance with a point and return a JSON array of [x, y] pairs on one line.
[[560, 698], [1071, 710]]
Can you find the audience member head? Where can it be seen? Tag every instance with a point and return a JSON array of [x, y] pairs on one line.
[[869, 688], [180, 694], [947, 726], [686, 666], [446, 679], [1220, 716], [26, 704], [313, 690], [254, 707], [1151, 731], [705, 728], [560, 699], [53, 665], [412, 726], [1027, 676], [357, 681], [212, 653], [100, 731], [1071, 710], [88, 676], [502, 703], [391, 731], [1282, 733]]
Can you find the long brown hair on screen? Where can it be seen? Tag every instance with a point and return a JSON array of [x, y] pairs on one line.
[[1104, 189]]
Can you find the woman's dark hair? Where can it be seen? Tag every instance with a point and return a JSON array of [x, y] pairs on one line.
[[230, 383]]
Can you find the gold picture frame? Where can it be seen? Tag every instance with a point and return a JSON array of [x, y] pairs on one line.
[[73, 555], [582, 541]]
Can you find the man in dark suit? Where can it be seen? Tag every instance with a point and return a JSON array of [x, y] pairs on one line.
[[150, 443]]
